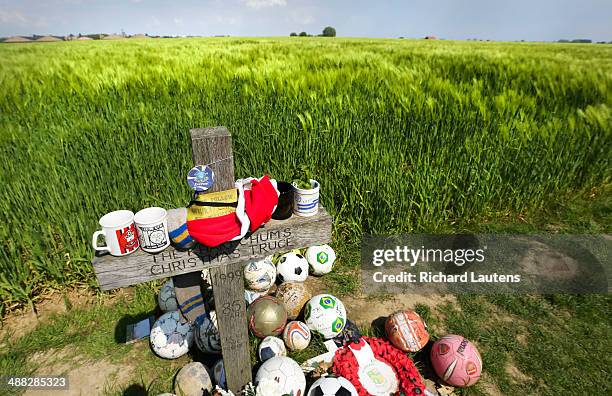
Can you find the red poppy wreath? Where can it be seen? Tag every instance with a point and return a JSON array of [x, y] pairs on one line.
[[375, 366]]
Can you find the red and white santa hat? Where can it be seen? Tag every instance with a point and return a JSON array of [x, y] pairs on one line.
[[256, 201], [260, 199]]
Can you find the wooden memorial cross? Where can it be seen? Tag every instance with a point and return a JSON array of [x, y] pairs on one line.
[[214, 146]]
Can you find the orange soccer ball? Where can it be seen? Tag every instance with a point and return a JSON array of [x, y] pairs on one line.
[[407, 331]]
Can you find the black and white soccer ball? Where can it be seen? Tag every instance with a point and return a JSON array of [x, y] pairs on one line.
[[271, 347], [332, 386], [292, 267]]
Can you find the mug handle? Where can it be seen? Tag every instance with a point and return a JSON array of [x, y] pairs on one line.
[[94, 242]]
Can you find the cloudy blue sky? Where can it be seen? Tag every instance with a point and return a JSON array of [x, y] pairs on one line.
[[452, 19]]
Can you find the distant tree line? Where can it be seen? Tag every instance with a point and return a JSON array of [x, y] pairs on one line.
[[329, 31]]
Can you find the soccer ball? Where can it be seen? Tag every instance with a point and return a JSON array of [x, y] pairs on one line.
[[296, 335], [407, 331], [167, 298], [326, 315], [332, 386], [293, 295], [456, 360], [266, 317], [193, 379], [219, 373], [250, 295], [292, 267], [286, 372], [207, 335], [321, 259], [271, 347], [260, 275], [169, 337]]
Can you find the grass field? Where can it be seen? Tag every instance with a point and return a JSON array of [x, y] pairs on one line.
[[404, 136]]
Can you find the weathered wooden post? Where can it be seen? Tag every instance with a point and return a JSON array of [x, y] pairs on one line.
[[214, 146]]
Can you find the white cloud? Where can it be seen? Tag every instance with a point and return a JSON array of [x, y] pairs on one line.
[[12, 17], [257, 4], [18, 19], [155, 21], [301, 17], [224, 20]]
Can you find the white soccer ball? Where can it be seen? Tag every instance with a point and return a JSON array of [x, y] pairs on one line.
[[250, 295], [296, 335], [321, 259], [219, 374], [271, 347], [207, 335], [169, 337], [332, 386], [259, 275], [167, 298], [292, 267], [326, 315], [286, 372]]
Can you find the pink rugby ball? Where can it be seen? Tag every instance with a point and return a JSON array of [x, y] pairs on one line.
[[456, 360]]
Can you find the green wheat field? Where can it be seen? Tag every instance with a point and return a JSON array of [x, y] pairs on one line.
[[404, 136]]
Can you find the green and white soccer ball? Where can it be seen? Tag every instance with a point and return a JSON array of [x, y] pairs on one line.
[[259, 275], [207, 336], [169, 337], [271, 347], [285, 372], [321, 259], [325, 314], [292, 267], [166, 298]]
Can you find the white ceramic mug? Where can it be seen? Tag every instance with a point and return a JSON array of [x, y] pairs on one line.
[[152, 226], [119, 232], [306, 202]]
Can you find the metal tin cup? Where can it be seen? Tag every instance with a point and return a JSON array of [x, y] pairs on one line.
[[284, 209], [152, 226]]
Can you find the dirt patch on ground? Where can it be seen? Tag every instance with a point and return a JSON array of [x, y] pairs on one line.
[[85, 377], [516, 374], [24, 321], [489, 387], [363, 311]]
